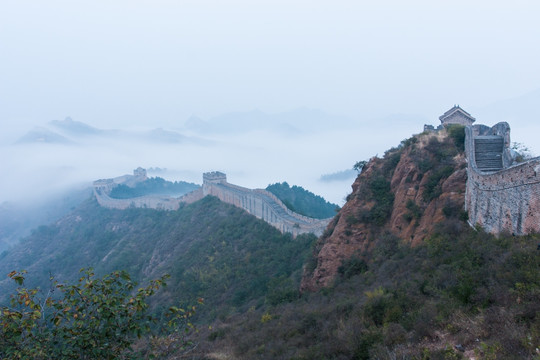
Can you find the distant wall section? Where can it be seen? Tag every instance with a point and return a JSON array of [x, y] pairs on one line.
[[260, 203]]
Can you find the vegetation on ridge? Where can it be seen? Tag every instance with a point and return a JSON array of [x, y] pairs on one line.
[[302, 201], [153, 186]]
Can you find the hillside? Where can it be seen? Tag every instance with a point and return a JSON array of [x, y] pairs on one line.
[[398, 274], [411, 189], [210, 249]]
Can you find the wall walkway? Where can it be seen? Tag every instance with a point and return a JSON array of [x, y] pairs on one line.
[[501, 200]]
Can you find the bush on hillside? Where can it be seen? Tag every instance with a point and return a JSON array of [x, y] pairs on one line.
[[97, 318]]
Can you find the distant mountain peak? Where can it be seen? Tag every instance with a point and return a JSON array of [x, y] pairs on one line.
[[43, 136], [75, 127]]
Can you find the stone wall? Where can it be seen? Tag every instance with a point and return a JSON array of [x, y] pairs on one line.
[[151, 201], [260, 203], [503, 201], [266, 206], [457, 118]]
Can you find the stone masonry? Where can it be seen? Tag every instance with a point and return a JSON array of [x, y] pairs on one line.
[[500, 196], [260, 203], [456, 115]]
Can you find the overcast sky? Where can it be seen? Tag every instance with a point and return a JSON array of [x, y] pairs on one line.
[[116, 62]]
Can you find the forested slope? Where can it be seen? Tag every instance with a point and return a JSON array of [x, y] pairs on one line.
[[211, 250]]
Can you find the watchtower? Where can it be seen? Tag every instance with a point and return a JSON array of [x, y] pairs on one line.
[[139, 172], [214, 177], [456, 115]]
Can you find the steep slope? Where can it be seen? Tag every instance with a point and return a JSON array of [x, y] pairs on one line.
[[406, 193], [402, 275], [211, 250]]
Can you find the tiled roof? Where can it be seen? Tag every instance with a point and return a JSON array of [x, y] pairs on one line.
[[453, 110]]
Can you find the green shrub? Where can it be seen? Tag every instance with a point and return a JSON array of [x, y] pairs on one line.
[[352, 266], [381, 193], [457, 133], [415, 212], [97, 318], [433, 186]]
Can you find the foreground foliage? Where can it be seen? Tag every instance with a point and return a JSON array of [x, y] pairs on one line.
[[97, 318]]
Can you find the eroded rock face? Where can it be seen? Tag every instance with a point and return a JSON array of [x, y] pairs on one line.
[[413, 214]]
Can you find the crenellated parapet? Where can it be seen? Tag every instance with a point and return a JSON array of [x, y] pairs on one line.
[[500, 196]]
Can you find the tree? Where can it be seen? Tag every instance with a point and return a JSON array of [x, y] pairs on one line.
[[359, 166], [97, 318], [521, 152]]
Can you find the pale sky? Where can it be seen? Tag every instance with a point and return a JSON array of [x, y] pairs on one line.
[[120, 64]]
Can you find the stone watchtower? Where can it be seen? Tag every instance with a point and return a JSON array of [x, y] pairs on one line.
[[456, 115], [214, 177], [140, 173]]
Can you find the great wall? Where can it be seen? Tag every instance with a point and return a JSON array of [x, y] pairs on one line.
[[258, 202], [501, 195]]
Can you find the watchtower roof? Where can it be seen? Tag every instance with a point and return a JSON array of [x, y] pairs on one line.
[[456, 110]]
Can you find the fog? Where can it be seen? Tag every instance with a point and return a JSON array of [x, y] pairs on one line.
[[254, 158], [314, 86]]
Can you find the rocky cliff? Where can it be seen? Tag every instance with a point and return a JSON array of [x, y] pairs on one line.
[[404, 194]]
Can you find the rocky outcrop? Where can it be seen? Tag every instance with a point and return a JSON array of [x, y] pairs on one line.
[[495, 193], [414, 212]]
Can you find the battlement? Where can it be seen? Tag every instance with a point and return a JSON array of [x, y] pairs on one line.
[[214, 177]]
